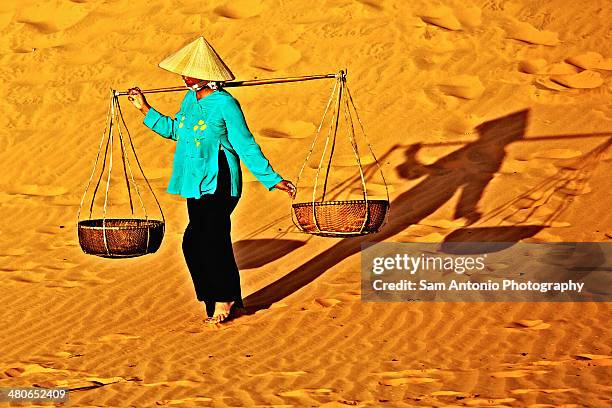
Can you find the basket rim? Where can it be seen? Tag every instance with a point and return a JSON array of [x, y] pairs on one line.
[[340, 234], [338, 202], [115, 255], [151, 224]]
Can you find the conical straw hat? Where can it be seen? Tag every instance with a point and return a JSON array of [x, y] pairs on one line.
[[198, 60]]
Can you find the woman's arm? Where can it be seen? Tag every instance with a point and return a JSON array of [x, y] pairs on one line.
[[163, 125], [247, 148]]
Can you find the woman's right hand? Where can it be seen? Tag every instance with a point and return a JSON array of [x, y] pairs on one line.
[[287, 187], [138, 100]]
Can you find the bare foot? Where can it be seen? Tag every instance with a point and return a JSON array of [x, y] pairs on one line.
[[204, 307], [222, 312]]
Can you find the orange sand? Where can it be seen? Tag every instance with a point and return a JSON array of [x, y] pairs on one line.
[[129, 333]]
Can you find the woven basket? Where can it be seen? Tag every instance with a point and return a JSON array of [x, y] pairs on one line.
[[124, 237], [341, 218]]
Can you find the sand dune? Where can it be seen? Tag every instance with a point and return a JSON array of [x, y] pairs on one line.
[[524, 31], [426, 77]]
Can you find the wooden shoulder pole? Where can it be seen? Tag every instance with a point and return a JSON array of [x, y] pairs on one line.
[[251, 82]]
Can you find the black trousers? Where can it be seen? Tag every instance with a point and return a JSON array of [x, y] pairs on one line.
[[207, 244]]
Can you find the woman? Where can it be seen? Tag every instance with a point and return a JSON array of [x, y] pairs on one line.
[[212, 137]]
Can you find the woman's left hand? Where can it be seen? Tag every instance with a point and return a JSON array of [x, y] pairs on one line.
[[138, 99], [287, 187]]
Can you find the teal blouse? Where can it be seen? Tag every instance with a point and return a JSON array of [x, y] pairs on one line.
[[201, 128]]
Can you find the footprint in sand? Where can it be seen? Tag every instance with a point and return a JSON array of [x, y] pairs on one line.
[[601, 359], [575, 187], [530, 324], [21, 370], [239, 9], [445, 17], [562, 68], [540, 66], [524, 31], [327, 302], [463, 86], [268, 54], [591, 60], [587, 79], [547, 83], [441, 16], [438, 49], [85, 383]]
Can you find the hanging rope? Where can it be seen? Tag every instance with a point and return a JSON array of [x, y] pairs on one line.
[[333, 122], [297, 182], [138, 162], [118, 237], [353, 142], [344, 217], [108, 115], [348, 92]]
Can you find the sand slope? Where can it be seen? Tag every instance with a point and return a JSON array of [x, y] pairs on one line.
[[424, 75]]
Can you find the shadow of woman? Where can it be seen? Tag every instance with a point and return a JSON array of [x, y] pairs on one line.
[[469, 168], [553, 194]]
